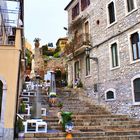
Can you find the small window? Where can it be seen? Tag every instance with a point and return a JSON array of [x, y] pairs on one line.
[[136, 85], [110, 95], [135, 44], [111, 12], [24, 99], [84, 4], [77, 70], [86, 28], [87, 66], [32, 93], [114, 55], [75, 11], [25, 93], [130, 5]]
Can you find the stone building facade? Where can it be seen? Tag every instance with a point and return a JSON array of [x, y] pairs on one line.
[[111, 72]]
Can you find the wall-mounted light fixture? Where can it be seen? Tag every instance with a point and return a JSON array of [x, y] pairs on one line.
[[87, 51]]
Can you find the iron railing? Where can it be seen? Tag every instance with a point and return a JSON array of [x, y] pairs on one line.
[[81, 40], [7, 35]]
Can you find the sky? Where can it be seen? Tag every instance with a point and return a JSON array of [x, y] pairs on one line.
[[45, 19]]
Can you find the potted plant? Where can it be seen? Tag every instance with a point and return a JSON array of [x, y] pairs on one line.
[[79, 84], [22, 107], [66, 120], [20, 128], [52, 98], [60, 105]]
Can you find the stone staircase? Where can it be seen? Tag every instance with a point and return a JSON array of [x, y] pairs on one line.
[[91, 122]]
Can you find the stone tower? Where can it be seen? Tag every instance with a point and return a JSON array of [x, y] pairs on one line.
[[38, 59]]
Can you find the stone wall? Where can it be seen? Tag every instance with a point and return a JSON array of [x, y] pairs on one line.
[[119, 79], [55, 63], [39, 62]]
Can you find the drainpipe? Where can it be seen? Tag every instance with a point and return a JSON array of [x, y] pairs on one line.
[[18, 79], [18, 46], [97, 63], [87, 51]]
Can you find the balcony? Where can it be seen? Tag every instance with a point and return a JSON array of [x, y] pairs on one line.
[[78, 44], [77, 23], [80, 40], [7, 36]]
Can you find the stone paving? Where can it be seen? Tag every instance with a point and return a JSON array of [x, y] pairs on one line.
[[91, 122]]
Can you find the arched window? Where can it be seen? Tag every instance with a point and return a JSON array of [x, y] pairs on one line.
[[1, 93], [136, 88], [110, 95]]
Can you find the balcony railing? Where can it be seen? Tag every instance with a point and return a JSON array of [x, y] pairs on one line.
[[81, 40], [7, 35], [76, 43]]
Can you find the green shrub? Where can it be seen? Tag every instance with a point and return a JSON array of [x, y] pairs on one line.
[[19, 125], [80, 84], [22, 108], [60, 104], [66, 117], [56, 55]]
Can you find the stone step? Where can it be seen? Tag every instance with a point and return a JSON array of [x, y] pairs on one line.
[[89, 127], [90, 117], [91, 122], [133, 137], [106, 127], [77, 111], [82, 108], [96, 133], [95, 122]]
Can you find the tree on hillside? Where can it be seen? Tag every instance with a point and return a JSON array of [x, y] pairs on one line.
[[57, 52], [45, 49], [28, 55], [70, 48]]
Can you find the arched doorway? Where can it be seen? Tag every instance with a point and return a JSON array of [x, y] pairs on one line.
[[1, 93], [27, 78], [61, 78], [58, 77]]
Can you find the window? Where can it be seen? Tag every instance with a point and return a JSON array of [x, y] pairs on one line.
[[111, 12], [136, 88], [1, 93], [75, 11], [84, 4], [114, 55], [86, 28], [76, 68], [25, 93], [110, 94], [87, 65], [135, 44], [130, 5]]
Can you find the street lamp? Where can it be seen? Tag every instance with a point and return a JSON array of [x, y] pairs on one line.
[[87, 52]]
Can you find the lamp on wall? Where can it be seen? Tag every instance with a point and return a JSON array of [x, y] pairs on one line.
[[87, 51]]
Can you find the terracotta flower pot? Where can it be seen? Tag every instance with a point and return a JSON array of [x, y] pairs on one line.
[[21, 134]]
